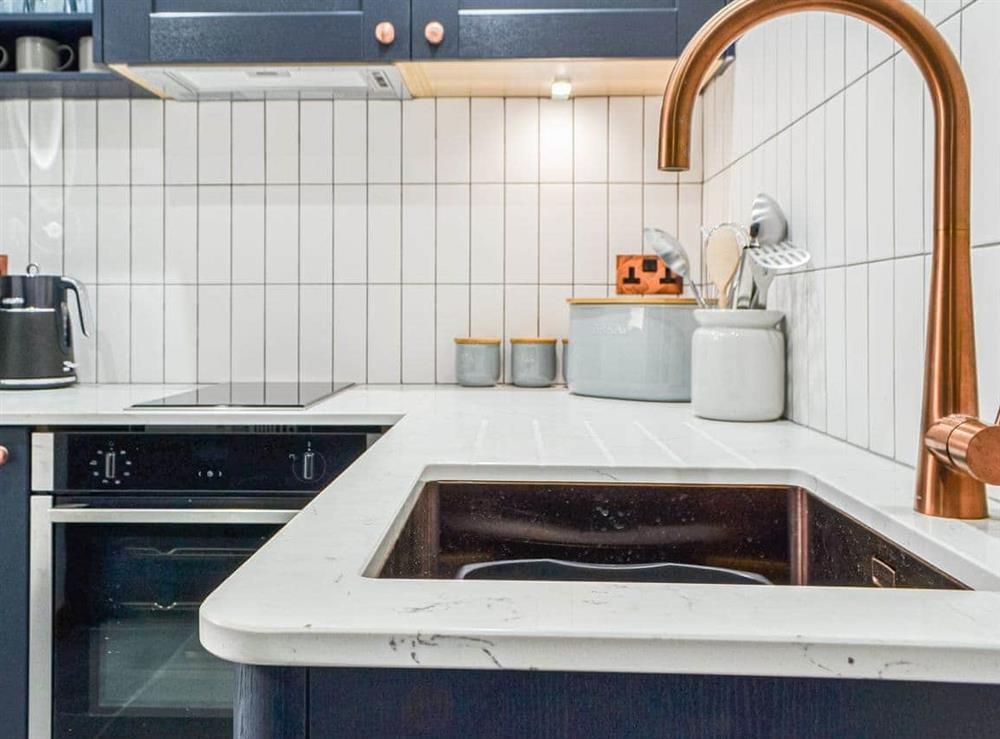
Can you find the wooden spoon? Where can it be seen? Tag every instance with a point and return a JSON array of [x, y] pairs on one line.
[[722, 257]]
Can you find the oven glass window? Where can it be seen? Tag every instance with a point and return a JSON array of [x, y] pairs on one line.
[[127, 661]]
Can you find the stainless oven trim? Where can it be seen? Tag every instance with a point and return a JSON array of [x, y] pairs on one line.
[[43, 516]]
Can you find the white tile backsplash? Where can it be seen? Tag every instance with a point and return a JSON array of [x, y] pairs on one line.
[[856, 317], [319, 239]]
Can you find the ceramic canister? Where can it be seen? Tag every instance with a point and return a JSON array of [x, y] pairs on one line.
[[738, 365], [634, 348], [533, 361], [477, 361]]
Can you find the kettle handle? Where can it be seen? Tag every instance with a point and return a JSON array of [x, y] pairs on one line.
[[82, 303]]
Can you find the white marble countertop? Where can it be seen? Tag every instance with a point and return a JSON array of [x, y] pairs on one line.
[[305, 599]]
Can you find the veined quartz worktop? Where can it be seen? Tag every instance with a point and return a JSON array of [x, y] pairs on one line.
[[305, 599]]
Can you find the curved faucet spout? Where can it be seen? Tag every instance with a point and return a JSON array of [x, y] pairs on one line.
[[944, 487]]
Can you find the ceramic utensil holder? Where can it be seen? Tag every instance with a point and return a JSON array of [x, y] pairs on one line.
[[533, 361], [738, 365], [477, 362]]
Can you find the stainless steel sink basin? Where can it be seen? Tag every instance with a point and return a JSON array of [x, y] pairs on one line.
[[785, 534]]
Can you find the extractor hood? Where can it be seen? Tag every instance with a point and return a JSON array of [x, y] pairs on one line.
[[271, 82]]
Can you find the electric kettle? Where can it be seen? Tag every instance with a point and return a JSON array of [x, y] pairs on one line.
[[36, 329]]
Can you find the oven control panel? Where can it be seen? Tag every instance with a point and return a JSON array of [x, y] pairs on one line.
[[204, 462]]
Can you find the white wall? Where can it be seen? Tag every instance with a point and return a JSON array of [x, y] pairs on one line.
[[827, 116], [317, 239]]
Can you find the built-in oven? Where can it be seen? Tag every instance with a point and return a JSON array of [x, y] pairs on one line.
[[130, 531]]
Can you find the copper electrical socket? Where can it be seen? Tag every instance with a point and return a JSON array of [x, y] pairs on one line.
[[645, 274]]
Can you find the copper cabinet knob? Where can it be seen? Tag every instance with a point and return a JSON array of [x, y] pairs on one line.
[[4, 455], [385, 33], [434, 33]]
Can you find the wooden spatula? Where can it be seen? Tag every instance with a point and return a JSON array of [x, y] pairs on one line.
[[722, 257]]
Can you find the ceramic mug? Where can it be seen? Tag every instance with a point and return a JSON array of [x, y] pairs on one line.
[[85, 54], [38, 54]]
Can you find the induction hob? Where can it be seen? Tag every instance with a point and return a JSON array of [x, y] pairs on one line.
[[248, 395]]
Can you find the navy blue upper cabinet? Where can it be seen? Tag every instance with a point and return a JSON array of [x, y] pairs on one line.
[[537, 29], [236, 31]]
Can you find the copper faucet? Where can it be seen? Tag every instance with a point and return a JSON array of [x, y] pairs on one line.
[[959, 453]]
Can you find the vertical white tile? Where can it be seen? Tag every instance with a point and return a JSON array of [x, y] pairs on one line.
[[908, 298], [980, 25], [937, 10], [659, 207], [248, 142], [624, 220], [214, 142], [247, 353], [147, 142], [248, 233], [350, 143], [213, 333], [80, 137], [856, 311], [385, 141], [487, 134], [15, 217], [47, 228], [316, 333], [114, 355], [15, 161], [521, 139], [797, 319], [486, 309], [555, 140], [590, 234], [147, 235], [418, 341], [281, 333], [986, 276], [834, 188], [180, 142], [590, 139], [47, 142], [881, 358], [880, 193], [650, 139], [521, 234], [766, 86], [180, 216], [451, 320], [689, 227], [350, 321], [384, 234], [816, 345], [452, 229], [798, 215], [113, 141], [834, 47], [316, 141], [856, 48], [815, 59], [281, 248], [783, 64], [555, 234], [800, 64], [214, 242], [350, 233], [418, 140], [453, 140], [908, 164], [180, 334], [836, 353], [879, 46], [384, 333], [553, 311], [316, 235], [113, 245], [418, 234], [80, 242], [520, 316], [625, 139], [281, 141], [816, 187], [856, 173], [147, 333], [487, 233]]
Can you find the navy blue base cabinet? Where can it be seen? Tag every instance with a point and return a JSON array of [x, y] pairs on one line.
[[14, 584], [295, 703]]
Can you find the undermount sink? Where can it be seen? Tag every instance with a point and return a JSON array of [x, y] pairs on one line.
[[785, 534]]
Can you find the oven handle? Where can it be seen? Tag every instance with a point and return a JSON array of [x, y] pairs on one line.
[[170, 516]]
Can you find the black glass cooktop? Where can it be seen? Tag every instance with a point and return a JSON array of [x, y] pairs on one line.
[[249, 395]]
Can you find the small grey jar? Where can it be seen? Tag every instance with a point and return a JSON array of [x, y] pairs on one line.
[[477, 361], [533, 361]]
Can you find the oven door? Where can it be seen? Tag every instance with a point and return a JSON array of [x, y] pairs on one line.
[[125, 587]]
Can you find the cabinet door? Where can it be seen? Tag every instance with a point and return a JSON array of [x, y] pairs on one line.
[[14, 583], [249, 31], [533, 29]]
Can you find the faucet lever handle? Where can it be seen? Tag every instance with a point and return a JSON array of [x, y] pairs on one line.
[[967, 444]]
